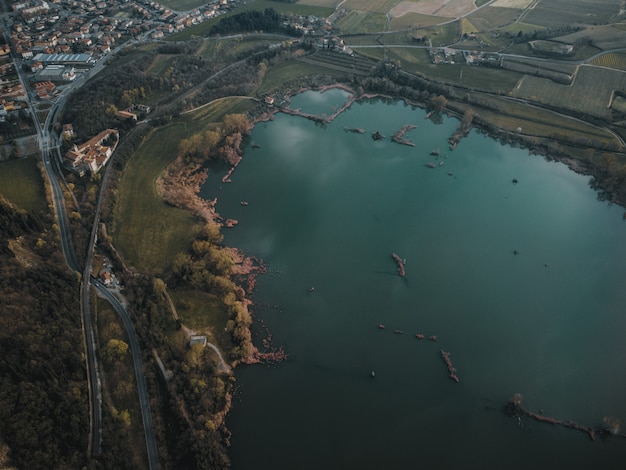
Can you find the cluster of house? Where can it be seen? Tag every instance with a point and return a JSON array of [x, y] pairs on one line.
[[448, 55], [92, 27], [334, 43], [12, 93], [92, 155], [58, 38]]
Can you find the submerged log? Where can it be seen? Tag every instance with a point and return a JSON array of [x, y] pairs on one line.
[[398, 137], [400, 263], [514, 408], [446, 358]]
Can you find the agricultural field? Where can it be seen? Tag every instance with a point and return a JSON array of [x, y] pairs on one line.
[[375, 53], [20, 183], [612, 60], [359, 22], [380, 6], [397, 39], [555, 13], [444, 35], [589, 94], [449, 8], [511, 115], [517, 27], [340, 62], [519, 4], [411, 60], [492, 17], [619, 104], [534, 64], [603, 37], [415, 20]]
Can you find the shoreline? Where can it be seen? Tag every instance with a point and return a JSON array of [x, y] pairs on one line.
[[462, 130], [246, 269]]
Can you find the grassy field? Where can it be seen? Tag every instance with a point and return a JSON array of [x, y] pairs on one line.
[[160, 64], [20, 183], [320, 3], [148, 232], [198, 310], [445, 34], [213, 48], [286, 72]]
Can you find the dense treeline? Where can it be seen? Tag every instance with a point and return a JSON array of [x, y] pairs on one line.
[[44, 418], [194, 398], [92, 107], [268, 20], [207, 266]]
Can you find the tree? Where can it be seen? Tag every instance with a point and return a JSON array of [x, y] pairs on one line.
[[438, 102], [115, 350]]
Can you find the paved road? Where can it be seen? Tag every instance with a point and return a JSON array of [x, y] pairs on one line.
[[142, 389]]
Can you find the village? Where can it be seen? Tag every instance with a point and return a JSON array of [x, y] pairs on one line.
[[57, 41]]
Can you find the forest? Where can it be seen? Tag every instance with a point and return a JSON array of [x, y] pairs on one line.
[[43, 388], [268, 20]]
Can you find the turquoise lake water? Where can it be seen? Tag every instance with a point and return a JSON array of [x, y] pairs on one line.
[[326, 210]]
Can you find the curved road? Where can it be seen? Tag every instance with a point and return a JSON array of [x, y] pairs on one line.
[[142, 389]]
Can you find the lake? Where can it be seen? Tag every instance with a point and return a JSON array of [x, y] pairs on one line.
[[328, 207]]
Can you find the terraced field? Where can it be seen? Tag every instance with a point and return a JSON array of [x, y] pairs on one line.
[[613, 60], [589, 94], [341, 62]]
